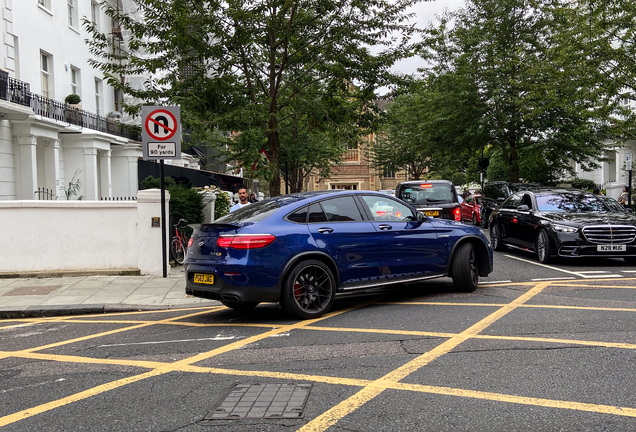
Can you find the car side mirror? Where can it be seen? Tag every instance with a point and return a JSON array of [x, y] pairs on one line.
[[421, 217], [523, 208]]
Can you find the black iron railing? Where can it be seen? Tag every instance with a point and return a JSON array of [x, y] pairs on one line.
[[45, 194], [128, 198], [19, 92]]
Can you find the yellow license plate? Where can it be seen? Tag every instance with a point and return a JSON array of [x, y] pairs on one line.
[[431, 213], [204, 278]]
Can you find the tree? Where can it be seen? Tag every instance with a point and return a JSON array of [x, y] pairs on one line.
[[536, 100], [242, 65], [430, 131]]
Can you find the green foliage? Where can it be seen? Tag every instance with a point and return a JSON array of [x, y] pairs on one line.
[[583, 184], [292, 77], [73, 188], [72, 99], [533, 76], [185, 202], [151, 182], [222, 205]]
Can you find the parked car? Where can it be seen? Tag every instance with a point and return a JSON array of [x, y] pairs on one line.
[[496, 192], [434, 198], [612, 204], [302, 249], [564, 223], [472, 210]]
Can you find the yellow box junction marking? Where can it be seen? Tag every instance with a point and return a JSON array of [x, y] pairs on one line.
[[371, 388]]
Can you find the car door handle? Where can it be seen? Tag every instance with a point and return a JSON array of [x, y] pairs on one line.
[[385, 227], [325, 230]]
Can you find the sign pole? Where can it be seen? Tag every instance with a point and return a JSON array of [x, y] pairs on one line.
[[629, 190], [166, 222], [161, 139]]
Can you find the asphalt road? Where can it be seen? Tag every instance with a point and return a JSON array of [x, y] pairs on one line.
[[535, 348]]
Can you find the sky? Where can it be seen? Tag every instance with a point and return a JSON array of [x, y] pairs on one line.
[[425, 14]]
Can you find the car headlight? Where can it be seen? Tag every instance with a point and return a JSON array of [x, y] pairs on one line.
[[564, 229]]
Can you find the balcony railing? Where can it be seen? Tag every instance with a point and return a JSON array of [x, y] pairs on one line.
[[19, 92]]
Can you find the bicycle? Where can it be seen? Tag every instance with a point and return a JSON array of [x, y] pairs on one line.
[[179, 243]]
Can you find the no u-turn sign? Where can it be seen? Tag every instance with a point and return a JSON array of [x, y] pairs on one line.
[[161, 132]]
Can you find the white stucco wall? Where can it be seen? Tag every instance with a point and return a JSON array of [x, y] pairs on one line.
[[83, 235]]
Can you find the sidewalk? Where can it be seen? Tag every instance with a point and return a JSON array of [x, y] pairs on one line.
[[86, 293]]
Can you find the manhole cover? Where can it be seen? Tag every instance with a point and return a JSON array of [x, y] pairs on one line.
[[32, 290], [268, 401]]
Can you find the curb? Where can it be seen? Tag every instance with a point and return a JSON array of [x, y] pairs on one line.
[[82, 309], [66, 273]]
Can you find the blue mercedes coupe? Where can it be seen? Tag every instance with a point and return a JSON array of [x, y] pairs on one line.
[[302, 249]]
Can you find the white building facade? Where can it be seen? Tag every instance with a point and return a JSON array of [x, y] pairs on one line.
[[45, 143]]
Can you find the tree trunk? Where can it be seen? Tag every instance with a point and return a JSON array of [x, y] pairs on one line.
[[274, 160]]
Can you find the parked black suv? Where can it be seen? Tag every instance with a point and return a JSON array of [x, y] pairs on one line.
[[496, 192], [434, 198]]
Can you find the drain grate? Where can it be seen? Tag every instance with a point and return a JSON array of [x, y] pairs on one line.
[[267, 401]]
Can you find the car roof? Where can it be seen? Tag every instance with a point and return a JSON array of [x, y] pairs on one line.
[[417, 182]]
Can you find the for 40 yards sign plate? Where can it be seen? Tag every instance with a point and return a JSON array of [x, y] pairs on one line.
[[161, 132]]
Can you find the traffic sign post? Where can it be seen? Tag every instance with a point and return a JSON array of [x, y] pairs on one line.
[[161, 132], [161, 139]]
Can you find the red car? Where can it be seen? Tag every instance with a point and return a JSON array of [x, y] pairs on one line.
[[471, 209]]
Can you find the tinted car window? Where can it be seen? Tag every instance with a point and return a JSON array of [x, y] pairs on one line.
[[252, 213], [299, 216], [316, 214], [426, 193], [513, 202], [341, 209], [570, 203], [383, 209]]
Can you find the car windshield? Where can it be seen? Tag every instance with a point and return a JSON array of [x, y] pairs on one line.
[[427, 193], [250, 214], [570, 203], [613, 205]]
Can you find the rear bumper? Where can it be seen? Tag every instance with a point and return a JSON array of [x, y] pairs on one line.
[[222, 291]]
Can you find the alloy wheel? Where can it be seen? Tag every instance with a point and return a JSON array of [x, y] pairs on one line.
[[313, 289]]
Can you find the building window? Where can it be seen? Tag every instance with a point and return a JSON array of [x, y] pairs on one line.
[[98, 96], [72, 13], [95, 14], [388, 174], [45, 3], [118, 97], [75, 81], [45, 72]]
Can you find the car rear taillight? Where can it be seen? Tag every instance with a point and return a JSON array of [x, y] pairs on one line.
[[190, 241], [458, 214], [247, 241], [426, 186]]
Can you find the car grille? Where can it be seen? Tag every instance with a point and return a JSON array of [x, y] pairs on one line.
[[605, 234]]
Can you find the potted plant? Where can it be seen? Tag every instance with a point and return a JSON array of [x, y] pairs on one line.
[[73, 99], [73, 114]]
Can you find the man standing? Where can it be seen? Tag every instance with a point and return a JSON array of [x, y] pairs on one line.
[[242, 200]]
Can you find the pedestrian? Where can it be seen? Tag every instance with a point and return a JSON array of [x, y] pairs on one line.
[[596, 191], [624, 197], [243, 201], [466, 193], [253, 197]]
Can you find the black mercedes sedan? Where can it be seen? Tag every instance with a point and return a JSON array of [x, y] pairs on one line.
[[564, 223]]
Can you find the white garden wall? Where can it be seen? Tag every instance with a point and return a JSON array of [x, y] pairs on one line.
[[82, 235]]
